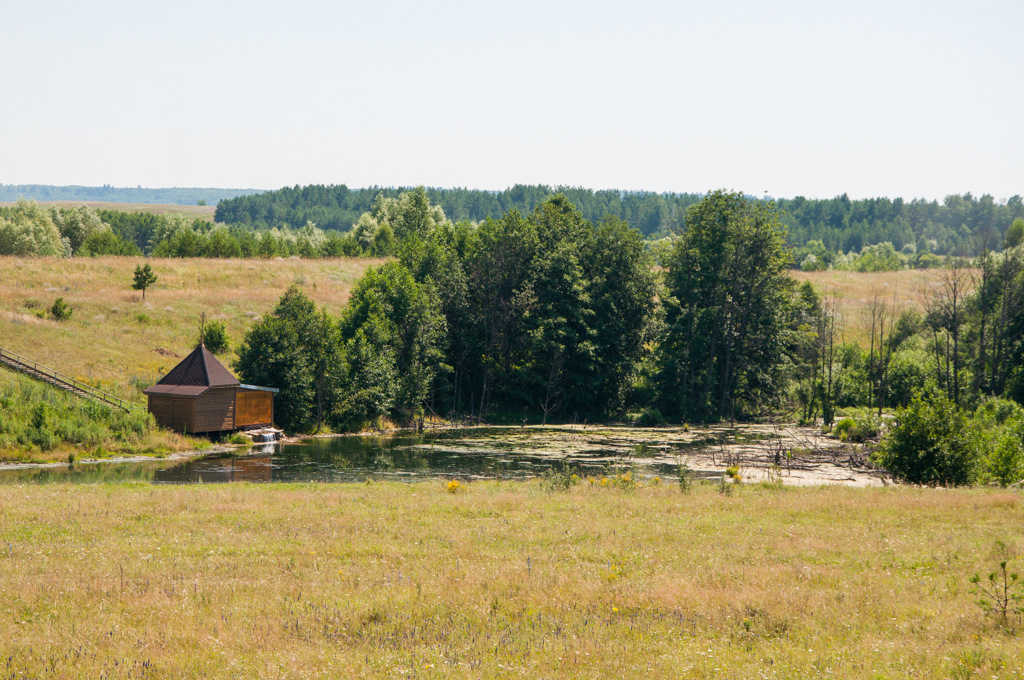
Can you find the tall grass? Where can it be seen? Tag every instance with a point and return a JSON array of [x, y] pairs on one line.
[[502, 580], [40, 422]]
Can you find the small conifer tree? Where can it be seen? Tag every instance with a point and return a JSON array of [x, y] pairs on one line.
[[144, 278]]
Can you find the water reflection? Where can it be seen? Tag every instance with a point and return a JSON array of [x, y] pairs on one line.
[[477, 454]]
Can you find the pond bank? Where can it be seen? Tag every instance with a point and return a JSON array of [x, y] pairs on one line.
[[788, 455]]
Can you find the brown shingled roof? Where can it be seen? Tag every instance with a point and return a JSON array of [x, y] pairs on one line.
[[196, 373]]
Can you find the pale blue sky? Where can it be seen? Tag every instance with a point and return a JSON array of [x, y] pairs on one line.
[[901, 98]]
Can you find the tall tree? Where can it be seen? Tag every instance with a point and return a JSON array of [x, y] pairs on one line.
[[725, 310]]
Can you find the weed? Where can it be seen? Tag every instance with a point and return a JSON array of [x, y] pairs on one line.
[[561, 479], [1000, 594], [685, 475], [454, 486]]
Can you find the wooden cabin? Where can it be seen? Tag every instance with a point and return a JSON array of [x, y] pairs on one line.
[[200, 395]]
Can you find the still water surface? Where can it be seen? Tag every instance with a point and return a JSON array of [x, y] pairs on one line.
[[480, 453]]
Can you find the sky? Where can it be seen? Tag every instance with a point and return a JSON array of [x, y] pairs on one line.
[[918, 99]]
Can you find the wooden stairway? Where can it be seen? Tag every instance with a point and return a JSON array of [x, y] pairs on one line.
[[59, 380]]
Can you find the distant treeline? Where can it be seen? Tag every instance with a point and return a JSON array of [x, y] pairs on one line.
[[841, 224], [337, 207], [173, 196]]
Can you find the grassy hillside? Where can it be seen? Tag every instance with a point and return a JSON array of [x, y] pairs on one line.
[[120, 343], [501, 580], [41, 423]]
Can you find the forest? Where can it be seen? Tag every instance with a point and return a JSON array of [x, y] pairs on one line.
[[325, 222], [548, 316], [840, 224]]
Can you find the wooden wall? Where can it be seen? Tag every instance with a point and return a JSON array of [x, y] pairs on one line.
[[253, 407], [214, 411], [172, 412]]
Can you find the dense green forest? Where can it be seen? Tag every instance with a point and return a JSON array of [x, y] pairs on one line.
[[10, 193], [840, 224], [551, 316]]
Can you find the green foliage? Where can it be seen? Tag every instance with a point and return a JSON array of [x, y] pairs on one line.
[[36, 416], [860, 428], [1000, 424], [293, 349], [651, 417], [932, 442], [685, 473], [560, 479], [215, 337], [726, 309], [393, 333], [61, 311], [1000, 593], [143, 278], [27, 229]]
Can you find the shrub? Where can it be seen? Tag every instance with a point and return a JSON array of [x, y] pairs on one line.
[[843, 427], [215, 337], [858, 429], [61, 310], [650, 418], [1006, 464], [931, 442]]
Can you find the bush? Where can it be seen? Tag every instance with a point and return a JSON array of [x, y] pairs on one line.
[[859, 429], [932, 442], [843, 427], [215, 337], [61, 310], [650, 418]]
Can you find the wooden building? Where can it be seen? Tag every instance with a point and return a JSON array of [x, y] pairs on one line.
[[200, 395]]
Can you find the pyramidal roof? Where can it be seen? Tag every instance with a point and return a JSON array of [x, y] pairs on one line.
[[196, 373]]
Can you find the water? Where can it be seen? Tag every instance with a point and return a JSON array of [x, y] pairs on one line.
[[477, 453]]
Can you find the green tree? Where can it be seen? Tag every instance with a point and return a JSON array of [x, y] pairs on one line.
[[390, 314], [215, 337], [143, 278], [294, 349], [931, 442], [725, 311]]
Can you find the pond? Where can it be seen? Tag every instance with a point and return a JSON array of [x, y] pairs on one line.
[[469, 453]]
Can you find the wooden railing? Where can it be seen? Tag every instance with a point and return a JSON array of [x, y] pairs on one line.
[[58, 379]]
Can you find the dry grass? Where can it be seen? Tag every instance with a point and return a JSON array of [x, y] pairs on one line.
[[501, 580], [116, 338], [854, 292], [203, 212]]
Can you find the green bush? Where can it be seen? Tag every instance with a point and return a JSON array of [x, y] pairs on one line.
[[932, 442], [61, 310], [650, 418], [215, 337], [843, 427]]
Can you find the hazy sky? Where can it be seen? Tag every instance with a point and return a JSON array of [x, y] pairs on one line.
[[897, 98]]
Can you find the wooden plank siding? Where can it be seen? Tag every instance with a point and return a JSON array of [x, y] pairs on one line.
[[253, 407], [172, 412], [214, 411]]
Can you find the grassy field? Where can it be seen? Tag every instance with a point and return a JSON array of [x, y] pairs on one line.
[[502, 580], [203, 212], [854, 292], [123, 344]]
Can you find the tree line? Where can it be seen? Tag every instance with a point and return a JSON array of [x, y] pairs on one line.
[[548, 315], [841, 224]]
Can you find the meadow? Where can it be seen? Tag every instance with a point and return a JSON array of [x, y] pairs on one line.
[[192, 212], [122, 344], [513, 579]]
